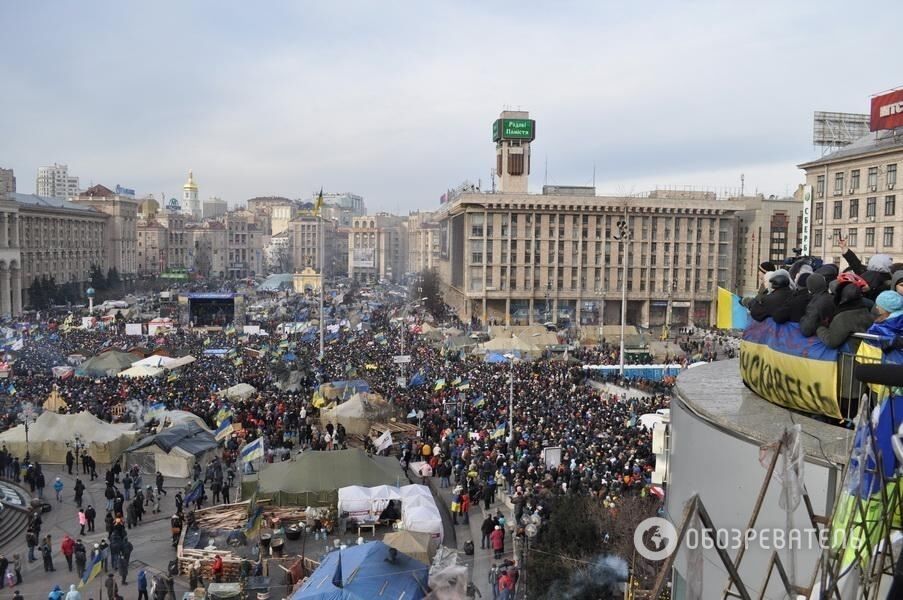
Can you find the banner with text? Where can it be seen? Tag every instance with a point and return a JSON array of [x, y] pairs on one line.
[[787, 368]]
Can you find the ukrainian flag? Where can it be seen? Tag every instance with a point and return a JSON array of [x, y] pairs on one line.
[[440, 383], [222, 414], [318, 206], [478, 401], [224, 430], [499, 432], [254, 522], [730, 313], [252, 451], [93, 569]]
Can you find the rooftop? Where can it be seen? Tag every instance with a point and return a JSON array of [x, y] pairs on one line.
[[47, 202], [878, 141]]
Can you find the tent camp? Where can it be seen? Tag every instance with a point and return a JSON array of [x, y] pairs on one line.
[[141, 371], [239, 391], [343, 389], [55, 402], [48, 436], [314, 478], [358, 413], [511, 344], [418, 545], [107, 363], [364, 572], [163, 362], [174, 451], [168, 418], [365, 504]]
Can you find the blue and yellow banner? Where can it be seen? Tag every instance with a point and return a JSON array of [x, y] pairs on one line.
[[730, 313], [787, 368]]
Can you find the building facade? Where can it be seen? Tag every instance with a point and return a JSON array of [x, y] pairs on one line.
[[304, 241], [244, 247], [532, 258], [377, 248], [152, 243], [57, 238], [121, 232], [854, 196], [179, 252], [210, 249], [55, 182], [214, 208], [423, 241], [767, 229], [7, 181], [11, 275]]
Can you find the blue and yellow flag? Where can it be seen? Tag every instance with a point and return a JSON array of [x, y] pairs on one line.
[[499, 432], [318, 205], [479, 401], [195, 492], [440, 383], [93, 569], [252, 451], [224, 430], [252, 527], [222, 414], [730, 313]]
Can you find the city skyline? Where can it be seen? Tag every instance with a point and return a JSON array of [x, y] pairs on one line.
[[396, 102]]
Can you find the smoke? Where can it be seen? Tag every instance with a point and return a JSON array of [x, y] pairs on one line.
[[137, 410], [600, 579]]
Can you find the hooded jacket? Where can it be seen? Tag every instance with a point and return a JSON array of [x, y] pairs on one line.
[[820, 308], [852, 316], [876, 274], [774, 302]]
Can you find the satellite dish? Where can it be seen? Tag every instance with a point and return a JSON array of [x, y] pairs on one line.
[[531, 530]]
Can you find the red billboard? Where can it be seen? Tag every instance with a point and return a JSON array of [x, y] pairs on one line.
[[887, 111]]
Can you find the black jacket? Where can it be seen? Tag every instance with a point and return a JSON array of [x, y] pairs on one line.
[[796, 308], [775, 305], [818, 312], [850, 318]]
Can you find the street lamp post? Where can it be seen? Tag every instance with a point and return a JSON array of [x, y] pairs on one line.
[[623, 236], [27, 415]]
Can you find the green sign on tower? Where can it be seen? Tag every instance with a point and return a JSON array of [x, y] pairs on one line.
[[513, 129]]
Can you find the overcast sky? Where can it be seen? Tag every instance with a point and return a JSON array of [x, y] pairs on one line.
[[395, 100]]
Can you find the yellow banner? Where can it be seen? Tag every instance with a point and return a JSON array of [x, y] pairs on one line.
[[792, 381]]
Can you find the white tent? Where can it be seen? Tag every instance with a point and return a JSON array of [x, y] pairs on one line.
[[422, 518], [415, 490], [153, 360], [240, 391], [48, 435], [141, 371], [366, 503], [169, 418]]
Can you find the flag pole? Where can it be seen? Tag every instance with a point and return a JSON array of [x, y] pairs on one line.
[[322, 280]]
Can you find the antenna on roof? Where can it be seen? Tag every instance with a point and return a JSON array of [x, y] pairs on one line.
[[545, 179], [594, 174]]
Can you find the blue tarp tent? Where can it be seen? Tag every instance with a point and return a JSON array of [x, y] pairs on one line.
[[362, 573]]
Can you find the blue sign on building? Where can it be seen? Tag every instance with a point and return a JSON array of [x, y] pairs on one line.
[[122, 191], [173, 205]]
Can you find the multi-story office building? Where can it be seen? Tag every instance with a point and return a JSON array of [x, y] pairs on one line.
[[57, 238], [210, 249], [377, 248], [767, 229], [515, 257], [121, 232], [7, 181], [244, 246], [854, 196], [152, 244], [179, 243], [214, 208], [423, 241], [55, 182], [11, 275], [304, 234]]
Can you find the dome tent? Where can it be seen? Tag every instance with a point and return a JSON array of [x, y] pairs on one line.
[[48, 435]]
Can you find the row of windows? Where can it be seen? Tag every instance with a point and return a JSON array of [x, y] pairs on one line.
[[649, 227], [890, 180], [852, 237], [578, 279], [871, 207]]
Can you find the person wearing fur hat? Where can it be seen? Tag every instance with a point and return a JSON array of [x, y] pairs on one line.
[[774, 301]]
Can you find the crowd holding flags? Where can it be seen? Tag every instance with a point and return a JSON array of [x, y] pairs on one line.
[[499, 432], [194, 494]]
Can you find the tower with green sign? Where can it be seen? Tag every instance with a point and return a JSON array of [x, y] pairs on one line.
[[512, 133]]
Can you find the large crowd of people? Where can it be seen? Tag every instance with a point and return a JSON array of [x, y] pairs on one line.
[[460, 402]]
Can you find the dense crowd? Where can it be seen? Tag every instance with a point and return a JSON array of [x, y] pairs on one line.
[[460, 402]]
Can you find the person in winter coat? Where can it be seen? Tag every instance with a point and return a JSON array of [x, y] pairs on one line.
[[820, 308], [142, 585], [800, 298], [73, 594], [58, 488], [773, 301], [876, 274], [486, 529], [497, 539], [111, 587], [79, 491], [81, 557], [67, 547], [55, 594], [852, 314], [90, 515]]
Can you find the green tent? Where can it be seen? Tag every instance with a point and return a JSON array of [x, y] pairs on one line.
[[314, 478], [106, 364]]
